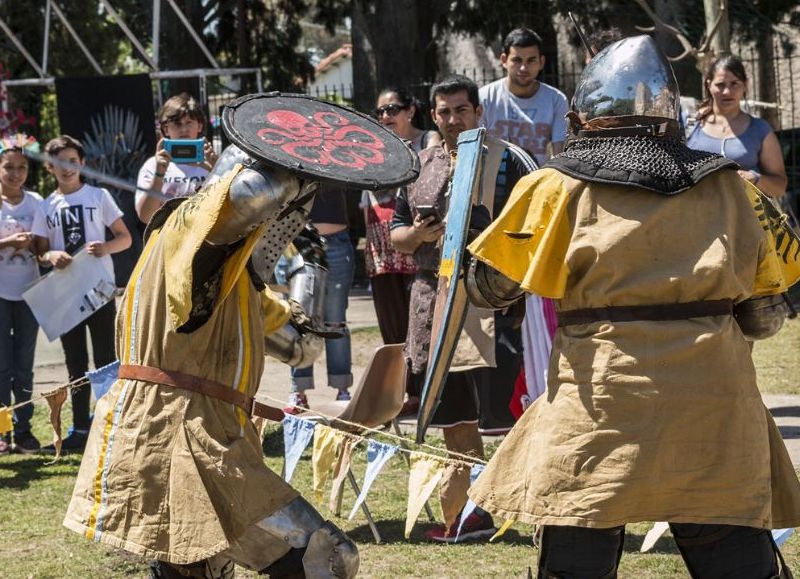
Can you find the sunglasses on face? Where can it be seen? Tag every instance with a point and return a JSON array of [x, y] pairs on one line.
[[391, 110]]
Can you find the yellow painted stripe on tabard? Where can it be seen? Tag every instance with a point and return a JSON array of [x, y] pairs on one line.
[[243, 291], [98, 477], [129, 328]]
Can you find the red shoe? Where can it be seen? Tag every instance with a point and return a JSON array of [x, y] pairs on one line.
[[475, 528], [296, 404]]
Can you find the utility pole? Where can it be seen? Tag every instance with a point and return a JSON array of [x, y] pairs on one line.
[[721, 41]]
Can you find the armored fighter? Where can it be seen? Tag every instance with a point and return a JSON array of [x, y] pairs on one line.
[[663, 261], [173, 469]]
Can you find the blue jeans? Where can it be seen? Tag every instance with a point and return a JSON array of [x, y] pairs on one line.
[[341, 266], [18, 330]]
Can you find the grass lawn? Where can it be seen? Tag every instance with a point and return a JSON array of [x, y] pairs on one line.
[[34, 497]]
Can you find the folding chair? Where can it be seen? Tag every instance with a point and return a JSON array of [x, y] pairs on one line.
[[376, 402]]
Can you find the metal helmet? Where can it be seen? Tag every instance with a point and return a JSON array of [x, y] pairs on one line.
[[631, 77]]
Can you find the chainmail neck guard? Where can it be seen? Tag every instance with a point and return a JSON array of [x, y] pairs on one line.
[[663, 165]]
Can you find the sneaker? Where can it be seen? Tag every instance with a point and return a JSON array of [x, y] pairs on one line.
[[296, 404], [26, 443], [343, 396], [75, 442], [5, 447], [475, 528], [410, 407]]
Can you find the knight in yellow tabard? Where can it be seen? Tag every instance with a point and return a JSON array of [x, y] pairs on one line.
[[174, 469], [652, 411]]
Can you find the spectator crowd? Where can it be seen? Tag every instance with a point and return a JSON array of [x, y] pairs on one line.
[[526, 121]]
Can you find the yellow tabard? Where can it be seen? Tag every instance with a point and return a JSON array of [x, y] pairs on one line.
[[642, 421], [169, 473]]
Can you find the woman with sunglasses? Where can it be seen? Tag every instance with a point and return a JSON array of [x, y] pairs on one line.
[[390, 271]]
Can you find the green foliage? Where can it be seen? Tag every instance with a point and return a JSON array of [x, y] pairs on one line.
[[48, 128], [268, 40]]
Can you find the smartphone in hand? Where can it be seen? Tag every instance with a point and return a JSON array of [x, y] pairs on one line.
[[425, 211]]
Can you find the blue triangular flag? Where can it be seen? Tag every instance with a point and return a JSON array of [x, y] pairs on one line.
[[780, 535], [474, 473], [102, 378], [377, 456], [297, 434]]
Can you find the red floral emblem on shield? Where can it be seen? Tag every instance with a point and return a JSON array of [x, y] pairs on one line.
[[326, 138]]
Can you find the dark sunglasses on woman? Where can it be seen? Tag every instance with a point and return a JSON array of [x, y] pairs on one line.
[[390, 109]]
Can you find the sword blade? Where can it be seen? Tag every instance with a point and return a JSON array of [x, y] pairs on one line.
[[115, 182]]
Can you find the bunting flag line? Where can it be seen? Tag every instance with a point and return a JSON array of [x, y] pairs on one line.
[[326, 443], [297, 434], [103, 378], [6, 423], [474, 473], [344, 456], [55, 400], [452, 456], [426, 472], [378, 454]]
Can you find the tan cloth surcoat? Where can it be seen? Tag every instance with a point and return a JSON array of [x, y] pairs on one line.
[[641, 421], [169, 473]]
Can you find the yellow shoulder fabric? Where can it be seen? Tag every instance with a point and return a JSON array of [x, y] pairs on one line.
[[528, 241], [183, 233], [779, 266], [276, 311]]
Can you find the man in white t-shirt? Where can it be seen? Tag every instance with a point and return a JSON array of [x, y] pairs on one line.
[[73, 216], [522, 110], [519, 108]]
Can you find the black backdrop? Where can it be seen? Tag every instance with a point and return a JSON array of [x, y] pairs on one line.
[[113, 118]]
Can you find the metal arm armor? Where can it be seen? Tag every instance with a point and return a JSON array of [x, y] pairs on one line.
[[488, 288], [257, 195], [307, 276]]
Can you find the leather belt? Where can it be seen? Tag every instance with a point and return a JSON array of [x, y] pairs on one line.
[[652, 313], [201, 386]]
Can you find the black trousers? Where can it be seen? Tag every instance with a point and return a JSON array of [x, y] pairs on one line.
[[709, 552], [101, 329], [391, 295]]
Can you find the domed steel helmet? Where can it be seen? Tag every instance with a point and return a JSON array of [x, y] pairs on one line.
[[631, 77]]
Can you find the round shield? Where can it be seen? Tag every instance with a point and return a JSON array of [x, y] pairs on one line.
[[319, 140]]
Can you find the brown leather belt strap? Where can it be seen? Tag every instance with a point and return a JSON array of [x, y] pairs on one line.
[[201, 386], [653, 313]]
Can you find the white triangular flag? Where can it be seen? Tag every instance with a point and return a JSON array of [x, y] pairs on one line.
[[378, 454]]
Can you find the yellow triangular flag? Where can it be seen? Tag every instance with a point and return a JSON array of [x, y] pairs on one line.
[[426, 472], [6, 424], [326, 441], [502, 530], [344, 456]]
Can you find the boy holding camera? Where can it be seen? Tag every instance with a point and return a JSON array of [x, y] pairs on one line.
[[181, 118]]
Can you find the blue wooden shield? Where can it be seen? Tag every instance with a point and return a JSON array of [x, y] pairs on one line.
[[451, 295]]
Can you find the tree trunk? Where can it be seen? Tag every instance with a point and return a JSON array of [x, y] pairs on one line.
[[767, 89], [393, 44], [179, 49]]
